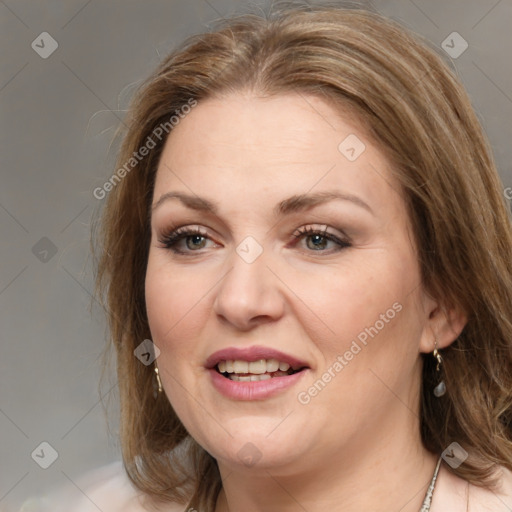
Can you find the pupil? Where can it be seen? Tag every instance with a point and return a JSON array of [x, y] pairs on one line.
[[196, 241], [318, 241]]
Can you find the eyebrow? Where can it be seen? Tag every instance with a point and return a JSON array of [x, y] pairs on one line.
[[306, 201], [293, 204]]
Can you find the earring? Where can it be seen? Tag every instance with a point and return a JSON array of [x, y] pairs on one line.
[[158, 380], [440, 389]]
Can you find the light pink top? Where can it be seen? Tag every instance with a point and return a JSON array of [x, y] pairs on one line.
[[108, 489]]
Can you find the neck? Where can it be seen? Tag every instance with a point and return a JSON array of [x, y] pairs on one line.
[[384, 476]]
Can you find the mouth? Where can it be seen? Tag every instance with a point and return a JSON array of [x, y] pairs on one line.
[[254, 371]]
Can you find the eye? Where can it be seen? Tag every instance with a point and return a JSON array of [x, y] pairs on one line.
[[320, 239], [185, 239]]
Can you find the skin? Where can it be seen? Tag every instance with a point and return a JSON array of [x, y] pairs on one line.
[[356, 445]]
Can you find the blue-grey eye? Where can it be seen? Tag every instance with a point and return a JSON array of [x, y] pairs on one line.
[[317, 242], [195, 242]]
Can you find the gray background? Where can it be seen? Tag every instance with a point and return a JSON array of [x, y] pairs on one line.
[[58, 117]]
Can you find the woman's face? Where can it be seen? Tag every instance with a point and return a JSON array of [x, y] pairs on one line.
[[280, 238]]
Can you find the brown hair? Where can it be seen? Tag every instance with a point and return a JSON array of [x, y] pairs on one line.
[[421, 117]]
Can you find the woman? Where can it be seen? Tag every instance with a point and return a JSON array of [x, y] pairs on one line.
[[306, 260]]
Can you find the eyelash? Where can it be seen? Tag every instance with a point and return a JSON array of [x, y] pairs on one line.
[[170, 240], [306, 231]]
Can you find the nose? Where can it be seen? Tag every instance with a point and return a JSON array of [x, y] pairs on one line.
[[249, 294]]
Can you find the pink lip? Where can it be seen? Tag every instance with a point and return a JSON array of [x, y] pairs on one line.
[[252, 354], [259, 390], [254, 390]]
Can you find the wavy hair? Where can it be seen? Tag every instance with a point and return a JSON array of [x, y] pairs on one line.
[[420, 116]]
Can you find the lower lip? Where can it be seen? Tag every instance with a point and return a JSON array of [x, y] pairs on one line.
[[253, 390]]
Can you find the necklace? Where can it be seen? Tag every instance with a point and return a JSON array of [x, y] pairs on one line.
[[427, 502], [430, 491]]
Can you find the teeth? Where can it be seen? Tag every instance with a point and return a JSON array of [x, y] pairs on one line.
[[273, 365], [265, 376], [240, 366], [260, 367], [249, 378]]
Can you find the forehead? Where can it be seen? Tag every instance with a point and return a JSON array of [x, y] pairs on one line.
[[241, 144]]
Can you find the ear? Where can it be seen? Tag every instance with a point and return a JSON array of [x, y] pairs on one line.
[[442, 324]]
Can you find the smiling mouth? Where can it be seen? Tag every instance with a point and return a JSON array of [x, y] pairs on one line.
[[254, 371]]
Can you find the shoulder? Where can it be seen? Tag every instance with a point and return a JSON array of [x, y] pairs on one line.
[[498, 500], [451, 493], [107, 489]]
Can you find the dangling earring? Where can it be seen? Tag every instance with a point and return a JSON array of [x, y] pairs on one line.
[[158, 380], [440, 389]]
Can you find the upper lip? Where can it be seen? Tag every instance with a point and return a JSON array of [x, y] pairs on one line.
[[254, 353]]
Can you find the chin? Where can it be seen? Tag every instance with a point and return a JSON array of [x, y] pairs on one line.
[[257, 443]]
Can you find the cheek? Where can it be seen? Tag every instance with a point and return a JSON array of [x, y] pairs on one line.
[[336, 306], [367, 314], [175, 305]]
